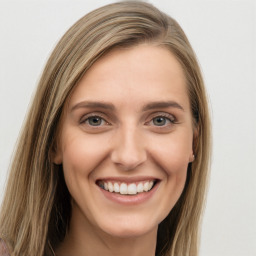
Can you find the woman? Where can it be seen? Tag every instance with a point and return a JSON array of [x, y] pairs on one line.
[[114, 155]]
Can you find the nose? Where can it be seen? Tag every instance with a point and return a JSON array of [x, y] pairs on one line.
[[129, 149]]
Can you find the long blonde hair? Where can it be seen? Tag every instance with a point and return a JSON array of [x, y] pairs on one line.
[[36, 207]]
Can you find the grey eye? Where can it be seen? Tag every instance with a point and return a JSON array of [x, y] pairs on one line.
[[95, 121], [159, 121]]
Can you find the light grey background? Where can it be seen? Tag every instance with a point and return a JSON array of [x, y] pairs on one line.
[[223, 36]]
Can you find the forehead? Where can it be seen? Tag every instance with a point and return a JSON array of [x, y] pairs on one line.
[[133, 75]]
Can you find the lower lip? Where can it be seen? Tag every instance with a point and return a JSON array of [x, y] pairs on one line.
[[130, 199]]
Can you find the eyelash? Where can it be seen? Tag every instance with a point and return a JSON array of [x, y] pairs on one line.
[[167, 118], [87, 118]]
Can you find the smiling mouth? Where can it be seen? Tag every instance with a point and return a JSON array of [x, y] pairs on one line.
[[127, 188]]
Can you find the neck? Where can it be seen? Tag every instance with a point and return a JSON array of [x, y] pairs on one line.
[[86, 239]]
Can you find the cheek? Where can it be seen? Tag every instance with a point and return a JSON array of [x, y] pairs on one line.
[[173, 160], [172, 153], [82, 153]]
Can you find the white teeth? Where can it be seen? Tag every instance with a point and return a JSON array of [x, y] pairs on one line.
[[116, 187], [124, 189], [132, 190], [110, 187], [146, 186], [140, 187]]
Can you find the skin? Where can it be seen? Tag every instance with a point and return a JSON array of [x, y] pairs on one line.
[[133, 138]]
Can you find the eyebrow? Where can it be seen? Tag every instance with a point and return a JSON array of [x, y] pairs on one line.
[[93, 104], [162, 104], [110, 106]]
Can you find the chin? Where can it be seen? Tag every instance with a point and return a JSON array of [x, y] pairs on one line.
[[129, 233], [128, 229]]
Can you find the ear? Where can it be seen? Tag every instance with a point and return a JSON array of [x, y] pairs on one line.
[[56, 155], [57, 159], [194, 144], [191, 157]]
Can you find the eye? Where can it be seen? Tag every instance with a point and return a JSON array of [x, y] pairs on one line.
[[94, 121], [160, 121]]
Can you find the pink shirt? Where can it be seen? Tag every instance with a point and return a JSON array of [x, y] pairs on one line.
[[3, 248]]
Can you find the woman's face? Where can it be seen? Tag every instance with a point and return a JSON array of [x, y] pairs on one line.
[[126, 141]]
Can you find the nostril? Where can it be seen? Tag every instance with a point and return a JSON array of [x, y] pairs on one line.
[[127, 167], [128, 161], [128, 150]]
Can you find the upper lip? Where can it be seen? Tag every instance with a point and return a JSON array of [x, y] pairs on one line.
[[128, 179]]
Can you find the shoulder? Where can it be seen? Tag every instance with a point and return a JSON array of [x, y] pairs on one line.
[[3, 248]]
